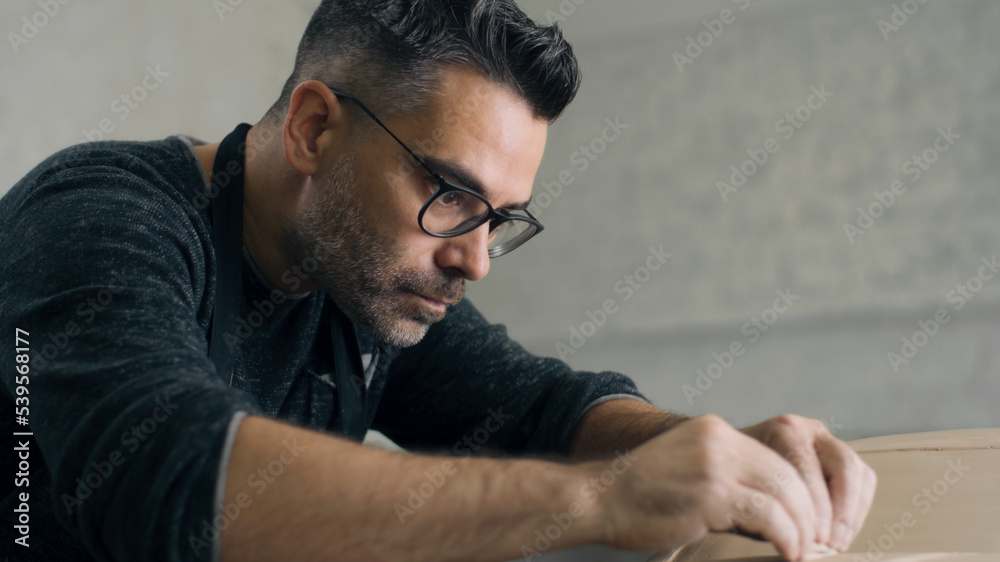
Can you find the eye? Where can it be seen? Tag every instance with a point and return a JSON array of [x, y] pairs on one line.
[[452, 199]]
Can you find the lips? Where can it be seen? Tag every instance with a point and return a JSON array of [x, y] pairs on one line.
[[435, 291], [438, 301]]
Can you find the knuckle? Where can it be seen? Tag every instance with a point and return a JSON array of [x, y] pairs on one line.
[[852, 463], [790, 425], [712, 426], [799, 424], [791, 420], [784, 427]]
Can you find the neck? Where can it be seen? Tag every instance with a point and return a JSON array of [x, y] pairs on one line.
[[268, 202]]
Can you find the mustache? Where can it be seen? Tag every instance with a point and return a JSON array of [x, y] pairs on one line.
[[445, 288]]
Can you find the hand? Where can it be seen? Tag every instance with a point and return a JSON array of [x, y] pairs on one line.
[[841, 485], [703, 475]]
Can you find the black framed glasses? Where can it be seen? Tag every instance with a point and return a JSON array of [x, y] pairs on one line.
[[454, 210]]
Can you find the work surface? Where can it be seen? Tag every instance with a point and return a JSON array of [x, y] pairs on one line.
[[938, 500]]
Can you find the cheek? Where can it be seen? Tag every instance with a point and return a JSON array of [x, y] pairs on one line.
[[391, 199], [389, 196], [391, 205], [415, 247], [397, 211]]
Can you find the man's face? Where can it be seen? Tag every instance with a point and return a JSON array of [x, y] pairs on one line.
[[358, 218]]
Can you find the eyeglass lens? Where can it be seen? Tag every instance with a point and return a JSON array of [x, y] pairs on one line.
[[454, 212]]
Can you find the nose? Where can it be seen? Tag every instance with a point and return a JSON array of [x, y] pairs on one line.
[[467, 254]]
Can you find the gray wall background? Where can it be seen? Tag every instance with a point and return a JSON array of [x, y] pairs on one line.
[[827, 356], [656, 184]]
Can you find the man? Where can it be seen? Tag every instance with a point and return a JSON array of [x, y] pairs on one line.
[[397, 162]]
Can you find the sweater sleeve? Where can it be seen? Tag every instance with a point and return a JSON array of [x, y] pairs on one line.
[[111, 276], [467, 387]]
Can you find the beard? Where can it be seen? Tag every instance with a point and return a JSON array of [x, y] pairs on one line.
[[361, 267]]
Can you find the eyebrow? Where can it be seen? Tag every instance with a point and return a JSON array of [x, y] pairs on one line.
[[467, 179]]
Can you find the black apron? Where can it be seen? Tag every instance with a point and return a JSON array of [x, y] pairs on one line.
[[227, 226]]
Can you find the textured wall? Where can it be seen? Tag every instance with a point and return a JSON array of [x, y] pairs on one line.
[[636, 164], [690, 120]]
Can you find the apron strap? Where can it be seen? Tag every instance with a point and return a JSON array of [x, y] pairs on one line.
[[227, 224]]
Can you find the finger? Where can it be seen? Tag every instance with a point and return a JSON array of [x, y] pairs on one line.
[[867, 497], [851, 490], [766, 471], [758, 515], [796, 439], [811, 471], [748, 463]]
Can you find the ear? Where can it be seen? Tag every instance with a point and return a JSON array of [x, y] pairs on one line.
[[315, 121]]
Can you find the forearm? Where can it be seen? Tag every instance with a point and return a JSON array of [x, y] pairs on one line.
[[619, 425], [333, 499]]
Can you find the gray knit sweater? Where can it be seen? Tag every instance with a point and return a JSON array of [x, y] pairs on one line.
[[108, 266]]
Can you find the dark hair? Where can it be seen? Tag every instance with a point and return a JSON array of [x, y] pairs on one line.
[[388, 52]]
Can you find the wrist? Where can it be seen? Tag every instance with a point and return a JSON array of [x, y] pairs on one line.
[[594, 493]]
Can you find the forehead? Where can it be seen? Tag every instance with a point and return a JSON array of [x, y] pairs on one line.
[[484, 129]]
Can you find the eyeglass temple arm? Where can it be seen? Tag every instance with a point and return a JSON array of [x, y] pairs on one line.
[[358, 103]]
